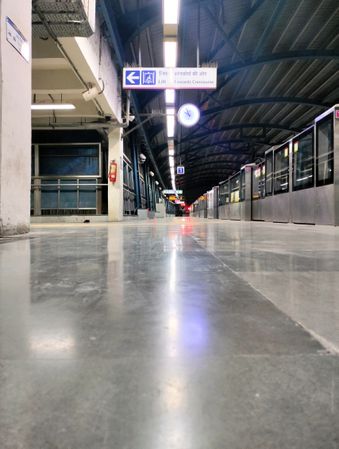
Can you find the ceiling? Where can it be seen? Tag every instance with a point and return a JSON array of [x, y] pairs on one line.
[[278, 68]]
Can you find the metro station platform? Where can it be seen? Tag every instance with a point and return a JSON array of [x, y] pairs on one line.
[[172, 334]]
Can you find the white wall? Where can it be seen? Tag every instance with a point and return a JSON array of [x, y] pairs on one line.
[[15, 122]]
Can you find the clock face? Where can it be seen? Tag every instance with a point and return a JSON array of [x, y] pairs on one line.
[[188, 115]]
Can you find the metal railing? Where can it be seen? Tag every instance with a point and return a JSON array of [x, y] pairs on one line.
[[65, 196]]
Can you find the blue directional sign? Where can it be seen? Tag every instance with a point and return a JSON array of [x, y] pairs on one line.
[[180, 170], [161, 78], [149, 78], [132, 78]]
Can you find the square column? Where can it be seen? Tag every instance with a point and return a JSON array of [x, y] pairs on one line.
[[116, 190], [15, 117]]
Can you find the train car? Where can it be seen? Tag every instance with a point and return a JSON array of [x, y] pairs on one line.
[[302, 188], [240, 188], [298, 181], [327, 167], [269, 176], [258, 191], [234, 183], [281, 184], [224, 200], [212, 203]]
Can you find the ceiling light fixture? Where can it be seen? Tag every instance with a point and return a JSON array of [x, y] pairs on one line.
[[170, 53], [170, 126], [171, 12], [52, 107], [170, 96]]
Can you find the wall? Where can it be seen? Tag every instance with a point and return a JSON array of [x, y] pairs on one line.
[[85, 54], [15, 122]]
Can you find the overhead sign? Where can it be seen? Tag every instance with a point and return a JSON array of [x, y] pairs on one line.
[[180, 170], [170, 78], [172, 192]]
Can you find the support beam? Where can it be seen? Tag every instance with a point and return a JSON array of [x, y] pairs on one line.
[[115, 191], [108, 14], [15, 122]]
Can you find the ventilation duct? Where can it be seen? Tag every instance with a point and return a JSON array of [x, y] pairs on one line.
[[65, 18]]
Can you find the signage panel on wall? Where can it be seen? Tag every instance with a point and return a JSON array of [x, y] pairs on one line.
[[172, 192], [161, 78], [17, 39]]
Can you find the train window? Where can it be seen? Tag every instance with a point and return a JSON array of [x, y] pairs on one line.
[[235, 189], [281, 170], [269, 174], [258, 184], [262, 182], [303, 161], [224, 196], [325, 151], [242, 191]]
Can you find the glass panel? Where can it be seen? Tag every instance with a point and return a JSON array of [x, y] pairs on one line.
[[87, 194], [269, 173], [303, 161], [125, 174], [262, 184], [325, 151], [224, 196], [281, 170], [242, 186], [49, 194], [69, 160], [235, 189], [68, 194], [256, 180], [131, 180]]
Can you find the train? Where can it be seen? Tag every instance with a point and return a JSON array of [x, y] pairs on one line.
[[296, 182]]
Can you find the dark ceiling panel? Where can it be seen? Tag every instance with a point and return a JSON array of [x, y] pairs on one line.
[[278, 68]]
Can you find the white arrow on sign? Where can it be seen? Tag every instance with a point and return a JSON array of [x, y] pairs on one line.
[[132, 78]]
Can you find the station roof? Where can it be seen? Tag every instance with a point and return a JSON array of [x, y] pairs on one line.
[[278, 68]]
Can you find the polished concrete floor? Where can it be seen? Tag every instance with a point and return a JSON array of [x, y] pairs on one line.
[[181, 334]]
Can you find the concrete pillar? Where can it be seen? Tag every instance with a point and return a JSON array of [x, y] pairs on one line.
[[15, 117], [115, 191]]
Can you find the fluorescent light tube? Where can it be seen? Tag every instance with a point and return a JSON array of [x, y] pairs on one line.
[[170, 53], [170, 111], [170, 96], [171, 12], [170, 126], [171, 161], [52, 107]]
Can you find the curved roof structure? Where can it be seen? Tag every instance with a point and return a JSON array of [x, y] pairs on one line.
[[278, 67]]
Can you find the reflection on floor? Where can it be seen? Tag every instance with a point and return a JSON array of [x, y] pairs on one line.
[[178, 334]]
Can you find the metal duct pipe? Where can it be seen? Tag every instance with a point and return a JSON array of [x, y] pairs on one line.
[[63, 52]]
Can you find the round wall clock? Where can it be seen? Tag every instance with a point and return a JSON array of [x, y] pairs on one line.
[[188, 115]]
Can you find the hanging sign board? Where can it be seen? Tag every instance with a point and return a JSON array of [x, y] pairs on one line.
[[180, 170], [162, 78], [17, 39], [172, 192]]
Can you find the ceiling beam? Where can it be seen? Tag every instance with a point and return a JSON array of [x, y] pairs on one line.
[[109, 17], [266, 100], [290, 55], [275, 58]]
